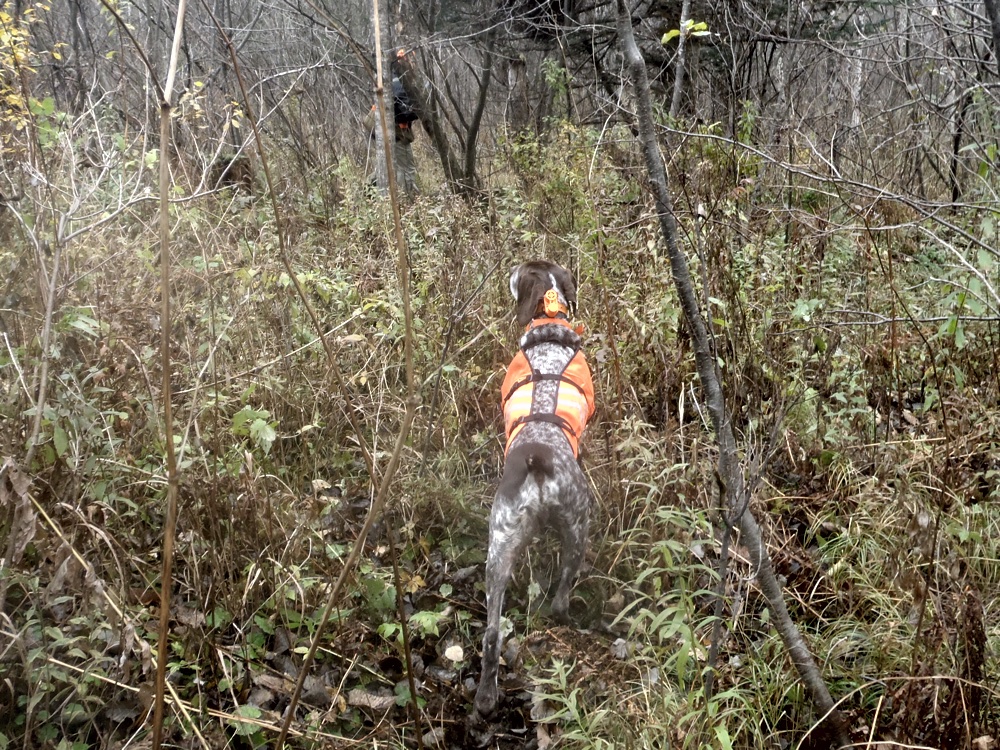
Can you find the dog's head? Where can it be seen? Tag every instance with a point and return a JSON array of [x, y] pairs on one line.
[[530, 281]]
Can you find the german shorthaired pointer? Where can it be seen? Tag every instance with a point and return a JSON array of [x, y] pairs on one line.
[[548, 396]]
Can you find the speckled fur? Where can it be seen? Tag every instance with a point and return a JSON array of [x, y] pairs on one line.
[[542, 485]]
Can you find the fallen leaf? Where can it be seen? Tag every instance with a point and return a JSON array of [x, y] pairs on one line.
[[364, 699], [120, 711], [542, 737], [413, 583], [433, 737], [190, 617], [274, 683], [66, 580], [620, 649], [440, 674], [19, 481], [260, 697], [14, 486], [145, 655]]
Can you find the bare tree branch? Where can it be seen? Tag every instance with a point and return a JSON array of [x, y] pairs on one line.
[[472, 135], [166, 387]]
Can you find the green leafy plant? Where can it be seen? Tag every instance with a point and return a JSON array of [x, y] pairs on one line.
[[689, 28], [254, 424]]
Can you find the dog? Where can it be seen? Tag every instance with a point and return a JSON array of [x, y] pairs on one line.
[[548, 397]]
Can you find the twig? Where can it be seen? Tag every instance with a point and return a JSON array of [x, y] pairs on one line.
[[373, 512], [403, 271], [185, 707], [20, 373], [720, 589], [283, 250], [170, 524], [993, 11], [43, 375]]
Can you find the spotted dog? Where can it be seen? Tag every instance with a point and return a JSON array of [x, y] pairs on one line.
[[548, 397]]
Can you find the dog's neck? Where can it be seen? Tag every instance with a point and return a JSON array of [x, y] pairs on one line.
[[544, 320], [561, 320]]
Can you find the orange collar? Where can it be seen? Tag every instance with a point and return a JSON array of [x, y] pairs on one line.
[[550, 305]]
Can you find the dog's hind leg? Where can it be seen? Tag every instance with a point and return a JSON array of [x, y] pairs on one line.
[[512, 524], [573, 533], [504, 550]]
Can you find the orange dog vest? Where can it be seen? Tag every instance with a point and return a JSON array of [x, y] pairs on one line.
[[574, 401]]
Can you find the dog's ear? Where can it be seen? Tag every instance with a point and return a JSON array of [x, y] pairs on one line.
[[528, 285], [515, 273], [565, 281]]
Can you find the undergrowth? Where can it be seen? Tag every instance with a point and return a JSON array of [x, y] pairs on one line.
[[860, 377]]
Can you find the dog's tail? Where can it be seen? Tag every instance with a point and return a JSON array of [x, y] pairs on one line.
[[529, 458]]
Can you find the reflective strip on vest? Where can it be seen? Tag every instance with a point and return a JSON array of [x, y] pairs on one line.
[[575, 405]]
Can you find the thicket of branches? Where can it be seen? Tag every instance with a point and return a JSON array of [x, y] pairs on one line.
[[898, 95]]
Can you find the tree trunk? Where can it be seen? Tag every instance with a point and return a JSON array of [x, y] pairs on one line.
[[381, 163], [472, 137], [675, 101], [729, 467]]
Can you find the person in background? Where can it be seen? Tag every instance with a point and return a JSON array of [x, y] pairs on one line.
[[404, 117]]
